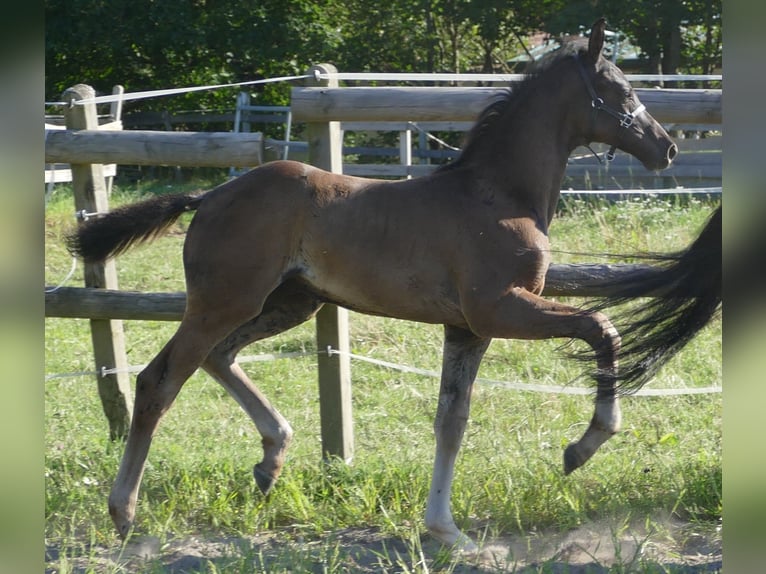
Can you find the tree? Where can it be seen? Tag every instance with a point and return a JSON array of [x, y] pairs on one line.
[[389, 36], [671, 34], [501, 26], [152, 44]]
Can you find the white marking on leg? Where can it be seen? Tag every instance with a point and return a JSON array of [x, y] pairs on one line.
[[438, 517], [605, 423], [463, 352]]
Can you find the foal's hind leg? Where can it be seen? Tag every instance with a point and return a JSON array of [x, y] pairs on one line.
[[287, 307], [156, 388], [463, 352]]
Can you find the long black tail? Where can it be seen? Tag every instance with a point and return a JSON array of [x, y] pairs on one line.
[[108, 235], [686, 296]]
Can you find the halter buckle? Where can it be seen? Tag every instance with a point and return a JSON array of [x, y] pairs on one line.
[[627, 120]]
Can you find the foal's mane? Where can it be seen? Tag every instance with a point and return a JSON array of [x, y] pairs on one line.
[[509, 99]]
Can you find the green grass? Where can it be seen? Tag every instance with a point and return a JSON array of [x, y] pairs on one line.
[[509, 481]]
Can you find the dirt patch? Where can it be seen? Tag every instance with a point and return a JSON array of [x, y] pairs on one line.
[[593, 548]]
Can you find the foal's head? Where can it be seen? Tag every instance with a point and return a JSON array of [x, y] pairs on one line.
[[588, 98], [614, 115]]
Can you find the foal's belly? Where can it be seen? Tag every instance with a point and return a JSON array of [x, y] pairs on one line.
[[389, 292]]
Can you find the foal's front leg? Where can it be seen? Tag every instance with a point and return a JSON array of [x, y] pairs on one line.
[[463, 352], [524, 315], [607, 417]]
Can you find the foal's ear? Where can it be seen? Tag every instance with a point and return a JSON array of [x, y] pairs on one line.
[[596, 41]]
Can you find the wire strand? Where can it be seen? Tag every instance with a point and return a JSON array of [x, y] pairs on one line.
[[369, 77], [514, 386], [66, 279]]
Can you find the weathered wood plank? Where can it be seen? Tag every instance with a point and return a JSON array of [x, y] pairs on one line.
[[464, 104], [580, 280], [78, 302], [141, 147]]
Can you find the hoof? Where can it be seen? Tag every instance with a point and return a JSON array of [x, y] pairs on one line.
[[450, 537], [124, 530], [464, 546], [122, 521], [264, 481], [572, 459]]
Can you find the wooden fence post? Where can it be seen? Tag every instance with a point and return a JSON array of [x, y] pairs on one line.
[[325, 151], [107, 335]]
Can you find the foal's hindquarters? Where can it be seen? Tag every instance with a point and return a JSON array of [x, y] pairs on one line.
[[234, 298]]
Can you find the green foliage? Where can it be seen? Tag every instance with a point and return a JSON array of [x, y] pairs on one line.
[[154, 44], [675, 36], [145, 44]]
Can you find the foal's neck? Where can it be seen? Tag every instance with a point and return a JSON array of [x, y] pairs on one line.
[[539, 137]]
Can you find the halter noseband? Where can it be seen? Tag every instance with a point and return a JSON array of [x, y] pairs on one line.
[[598, 104]]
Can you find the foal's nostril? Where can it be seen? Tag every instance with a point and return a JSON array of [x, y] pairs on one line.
[[672, 152]]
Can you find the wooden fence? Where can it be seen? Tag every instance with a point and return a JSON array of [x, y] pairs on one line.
[[420, 145], [452, 109], [62, 172], [322, 108], [83, 145]]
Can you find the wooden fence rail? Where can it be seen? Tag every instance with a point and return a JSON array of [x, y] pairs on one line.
[[82, 302], [464, 104], [144, 147]]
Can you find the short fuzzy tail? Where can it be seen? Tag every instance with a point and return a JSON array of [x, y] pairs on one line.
[[105, 236], [687, 296]]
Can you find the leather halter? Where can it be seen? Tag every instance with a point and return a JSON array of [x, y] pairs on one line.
[[598, 104]]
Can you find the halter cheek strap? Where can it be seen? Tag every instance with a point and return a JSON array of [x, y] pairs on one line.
[[597, 103]]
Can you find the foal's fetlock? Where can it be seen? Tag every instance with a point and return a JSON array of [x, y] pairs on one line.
[[268, 470], [605, 424]]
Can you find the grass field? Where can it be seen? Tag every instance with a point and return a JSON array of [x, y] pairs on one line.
[[664, 468]]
